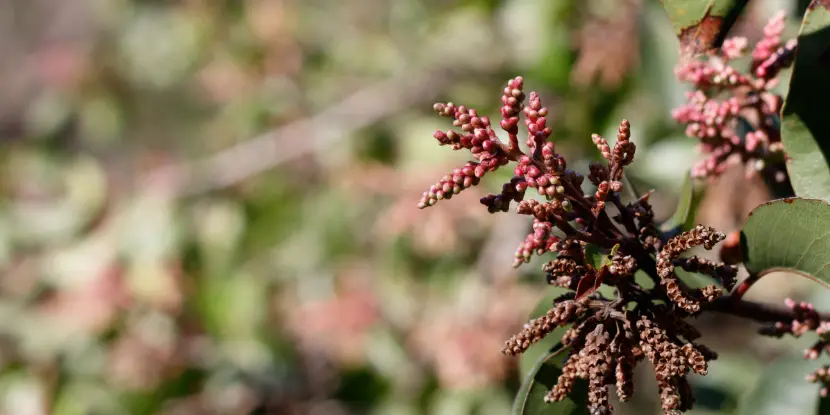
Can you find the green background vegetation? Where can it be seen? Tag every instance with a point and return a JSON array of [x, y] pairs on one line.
[[209, 206]]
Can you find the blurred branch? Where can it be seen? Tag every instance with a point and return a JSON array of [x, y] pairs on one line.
[[491, 263], [291, 141], [756, 311]]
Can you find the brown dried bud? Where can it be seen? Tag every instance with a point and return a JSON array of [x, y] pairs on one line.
[[561, 266], [650, 337], [570, 335], [571, 248], [623, 265], [564, 272], [596, 362], [669, 397], [561, 314], [566, 381], [696, 360], [625, 377], [700, 235], [679, 326], [726, 274], [677, 296], [710, 292]]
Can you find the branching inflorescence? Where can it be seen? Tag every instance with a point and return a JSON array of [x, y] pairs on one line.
[[735, 114], [805, 320], [607, 337]]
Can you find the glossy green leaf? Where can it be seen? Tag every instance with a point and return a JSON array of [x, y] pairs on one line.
[[542, 377], [805, 131], [782, 389], [701, 25], [788, 235], [683, 218]]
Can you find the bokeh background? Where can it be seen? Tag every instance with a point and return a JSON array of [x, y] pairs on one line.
[[209, 206]]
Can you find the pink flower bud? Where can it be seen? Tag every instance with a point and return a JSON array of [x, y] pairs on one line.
[[534, 172], [479, 171]]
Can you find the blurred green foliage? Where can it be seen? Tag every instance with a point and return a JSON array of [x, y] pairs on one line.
[[152, 262]]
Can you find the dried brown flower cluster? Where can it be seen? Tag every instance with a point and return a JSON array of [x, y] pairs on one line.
[[607, 342], [607, 338], [598, 238]]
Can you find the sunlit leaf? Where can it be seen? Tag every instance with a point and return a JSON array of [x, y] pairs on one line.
[[788, 235]]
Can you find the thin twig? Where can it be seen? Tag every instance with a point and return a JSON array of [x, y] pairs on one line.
[[291, 141], [490, 264]]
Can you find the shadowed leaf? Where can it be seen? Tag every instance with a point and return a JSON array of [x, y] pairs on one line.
[[805, 131], [788, 235], [543, 376], [701, 25], [684, 215]]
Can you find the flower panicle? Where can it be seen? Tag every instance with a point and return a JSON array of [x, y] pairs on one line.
[[593, 246], [734, 113]]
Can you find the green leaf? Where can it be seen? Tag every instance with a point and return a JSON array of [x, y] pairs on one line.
[[594, 255], [791, 235], [542, 377], [683, 218], [805, 131], [701, 25], [782, 389]]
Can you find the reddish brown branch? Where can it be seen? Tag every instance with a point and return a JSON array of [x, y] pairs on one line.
[[766, 313], [744, 286]]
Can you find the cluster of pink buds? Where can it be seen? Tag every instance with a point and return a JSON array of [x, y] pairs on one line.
[[734, 114], [822, 376], [476, 136], [541, 169], [539, 242], [806, 320]]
